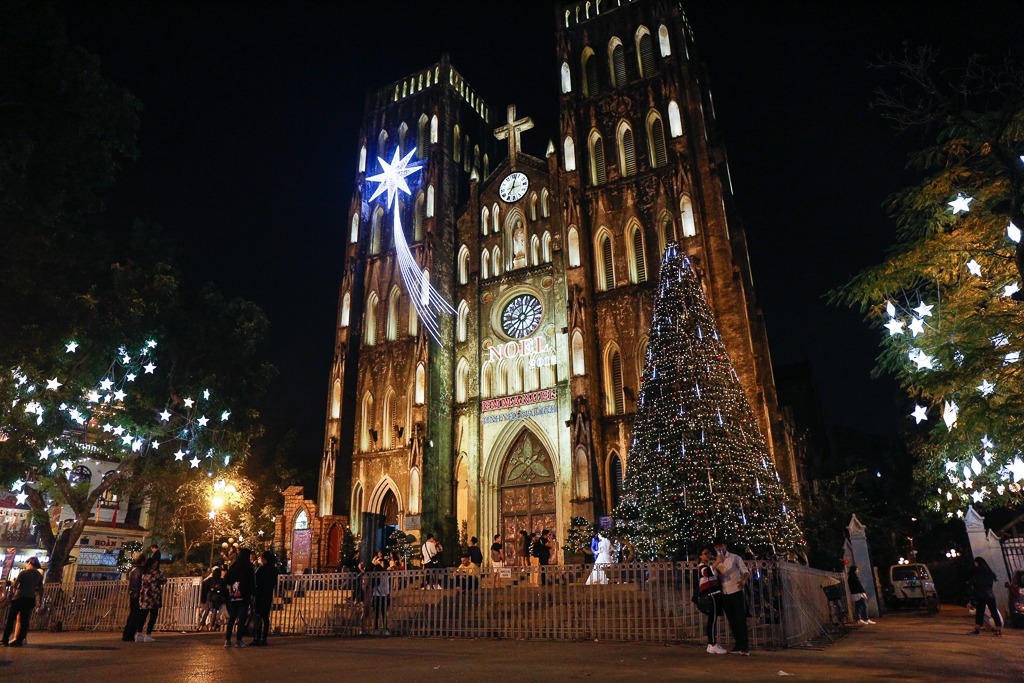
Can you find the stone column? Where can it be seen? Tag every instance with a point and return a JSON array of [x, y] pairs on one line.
[[984, 543], [857, 553]]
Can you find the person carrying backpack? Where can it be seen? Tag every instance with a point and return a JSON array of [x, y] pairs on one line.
[[241, 583]]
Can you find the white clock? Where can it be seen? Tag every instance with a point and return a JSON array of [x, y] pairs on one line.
[[513, 187]]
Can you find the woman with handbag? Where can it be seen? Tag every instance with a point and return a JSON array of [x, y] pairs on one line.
[[708, 599], [860, 598]]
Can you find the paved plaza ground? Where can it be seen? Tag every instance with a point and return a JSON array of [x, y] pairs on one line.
[[902, 647]]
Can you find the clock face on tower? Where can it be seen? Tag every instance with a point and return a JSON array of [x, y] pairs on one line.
[[522, 316], [513, 187]]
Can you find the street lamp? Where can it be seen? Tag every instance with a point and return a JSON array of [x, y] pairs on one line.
[[952, 554]]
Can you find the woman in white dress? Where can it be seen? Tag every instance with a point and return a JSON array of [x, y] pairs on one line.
[[604, 556]]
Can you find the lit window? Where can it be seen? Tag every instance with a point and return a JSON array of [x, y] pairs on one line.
[[617, 62], [645, 52], [566, 78], [675, 124], [663, 41], [346, 309], [569, 152], [574, 247], [627, 151], [656, 139], [686, 212]]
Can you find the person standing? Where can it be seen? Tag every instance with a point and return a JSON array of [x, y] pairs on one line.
[[266, 584], [432, 553], [497, 552], [859, 596], [241, 581], [709, 597], [525, 539], [131, 627], [211, 595], [151, 594], [475, 556], [602, 549], [984, 597], [381, 583], [733, 576], [26, 587]]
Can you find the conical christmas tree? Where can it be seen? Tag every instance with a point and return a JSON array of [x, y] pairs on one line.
[[699, 468]]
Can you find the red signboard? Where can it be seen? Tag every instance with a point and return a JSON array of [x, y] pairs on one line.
[[518, 400]]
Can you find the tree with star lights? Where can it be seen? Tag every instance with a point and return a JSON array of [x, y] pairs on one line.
[[699, 468], [949, 294]]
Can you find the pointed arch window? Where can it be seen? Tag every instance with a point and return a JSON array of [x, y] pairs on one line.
[[638, 270], [376, 228], [414, 491], [545, 248], [433, 129], [663, 41], [590, 83], [615, 478], [430, 201], [421, 385], [534, 199], [414, 322], [496, 261], [534, 250], [606, 262], [462, 381], [362, 159], [501, 379], [422, 131], [675, 124], [463, 321], [425, 288], [617, 62], [645, 52], [419, 216], [382, 146], [686, 214], [463, 264], [403, 131], [394, 307], [641, 358], [578, 365], [495, 219], [346, 309], [357, 508], [574, 247], [485, 264], [456, 143], [353, 233], [370, 333], [485, 220], [656, 139], [598, 174], [465, 153], [366, 423], [666, 231], [336, 400], [569, 152], [545, 210], [614, 384], [627, 150], [387, 424], [486, 378], [566, 78]]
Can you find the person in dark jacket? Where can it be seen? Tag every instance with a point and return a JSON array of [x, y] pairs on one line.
[[131, 627], [858, 595], [26, 587], [475, 556], [212, 595], [241, 581], [266, 584], [983, 580]]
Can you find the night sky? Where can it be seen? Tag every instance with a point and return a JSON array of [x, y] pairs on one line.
[[252, 111]]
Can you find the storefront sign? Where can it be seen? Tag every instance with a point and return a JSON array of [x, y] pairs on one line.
[[518, 400]]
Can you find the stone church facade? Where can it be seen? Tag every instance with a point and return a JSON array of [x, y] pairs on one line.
[[521, 417]]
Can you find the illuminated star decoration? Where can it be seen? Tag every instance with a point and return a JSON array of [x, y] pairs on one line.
[[1011, 357], [53, 384], [206, 394], [916, 326], [920, 414], [922, 359], [149, 368], [890, 309], [986, 387], [974, 268], [424, 297], [203, 421], [70, 348], [1011, 289], [1016, 469], [961, 204], [924, 311], [165, 416], [224, 416], [894, 326], [986, 442], [189, 402], [21, 498], [179, 455], [194, 462], [1013, 232], [950, 410]]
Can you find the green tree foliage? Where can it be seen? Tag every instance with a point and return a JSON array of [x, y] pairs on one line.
[[945, 293], [698, 466]]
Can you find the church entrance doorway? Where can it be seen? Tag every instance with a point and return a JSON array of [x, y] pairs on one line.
[[527, 493], [389, 521]]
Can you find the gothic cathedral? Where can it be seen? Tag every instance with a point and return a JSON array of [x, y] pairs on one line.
[[515, 411]]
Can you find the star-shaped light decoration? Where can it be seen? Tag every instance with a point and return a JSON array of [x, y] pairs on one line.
[[986, 442], [45, 453], [999, 340], [53, 384], [119, 395], [1011, 358], [974, 268], [1011, 289], [155, 444], [165, 416], [194, 462], [950, 466], [18, 485], [206, 394], [894, 326], [977, 496], [961, 204], [890, 309], [975, 466], [203, 421], [211, 514], [108, 427], [118, 431], [66, 464], [131, 377], [986, 388], [950, 410], [126, 439], [225, 415], [189, 403], [392, 176], [1013, 232], [93, 396], [137, 445], [149, 368], [21, 498], [916, 326], [1016, 469], [70, 347], [151, 344], [921, 359], [106, 384], [179, 455], [920, 414], [924, 310]]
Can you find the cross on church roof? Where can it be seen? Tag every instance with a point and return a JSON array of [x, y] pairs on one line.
[[512, 130]]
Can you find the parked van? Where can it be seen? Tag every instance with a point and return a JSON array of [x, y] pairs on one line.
[[911, 586]]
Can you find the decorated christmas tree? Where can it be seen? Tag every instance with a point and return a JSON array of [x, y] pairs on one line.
[[699, 468]]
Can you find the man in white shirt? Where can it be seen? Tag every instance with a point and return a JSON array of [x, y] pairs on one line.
[[734, 576]]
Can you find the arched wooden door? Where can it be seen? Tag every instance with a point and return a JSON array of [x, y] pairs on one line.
[[527, 492]]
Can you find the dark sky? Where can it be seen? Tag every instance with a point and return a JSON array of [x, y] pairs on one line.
[[252, 111]]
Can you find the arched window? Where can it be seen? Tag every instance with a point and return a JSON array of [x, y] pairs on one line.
[[616, 404], [656, 139], [606, 262], [531, 376], [394, 301], [496, 261], [422, 131], [414, 491], [578, 365], [387, 424], [486, 380], [645, 52], [663, 41], [617, 62], [500, 385], [666, 231], [638, 258], [641, 358], [425, 288], [370, 333], [376, 227], [463, 264], [414, 321], [566, 78], [686, 214], [336, 400], [615, 478], [433, 129], [421, 384], [301, 521], [362, 159], [366, 422], [382, 146], [485, 264], [545, 209], [627, 151], [545, 249], [534, 250], [533, 205], [574, 248], [495, 219], [485, 220], [357, 509], [462, 381], [675, 124], [465, 153], [403, 131], [456, 143], [353, 234], [569, 152], [430, 201], [346, 309], [476, 158], [463, 321], [418, 216], [581, 468], [598, 174], [590, 84], [487, 166]]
